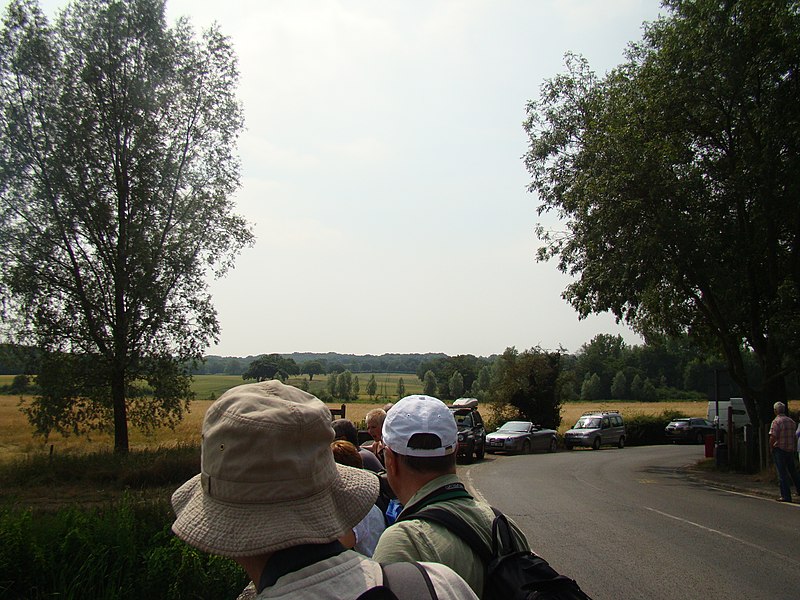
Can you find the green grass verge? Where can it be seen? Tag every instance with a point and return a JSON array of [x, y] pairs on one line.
[[121, 551]]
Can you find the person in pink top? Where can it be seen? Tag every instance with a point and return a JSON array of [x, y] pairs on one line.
[[783, 442]]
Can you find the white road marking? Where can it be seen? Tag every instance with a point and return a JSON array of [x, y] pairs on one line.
[[467, 477], [725, 535]]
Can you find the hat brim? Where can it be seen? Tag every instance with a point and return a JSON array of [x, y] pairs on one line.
[[249, 529]]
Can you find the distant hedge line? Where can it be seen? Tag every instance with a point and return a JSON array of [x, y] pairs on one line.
[[117, 552]]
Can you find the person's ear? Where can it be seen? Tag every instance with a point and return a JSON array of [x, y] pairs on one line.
[[390, 461]]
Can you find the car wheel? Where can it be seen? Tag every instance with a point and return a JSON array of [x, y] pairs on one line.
[[480, 452], [621, 442], [526, 447], [553, 445], [596, 443], [700, 438]]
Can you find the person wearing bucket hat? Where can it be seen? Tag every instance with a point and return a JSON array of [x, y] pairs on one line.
[[270, 496], [421, 439]]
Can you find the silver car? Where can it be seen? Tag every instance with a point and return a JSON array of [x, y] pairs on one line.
[[521, 436], [595, 429]]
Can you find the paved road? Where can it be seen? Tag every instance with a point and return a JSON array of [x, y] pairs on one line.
[[628, 524]]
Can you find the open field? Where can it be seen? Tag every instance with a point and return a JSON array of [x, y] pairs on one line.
[[17, 439]]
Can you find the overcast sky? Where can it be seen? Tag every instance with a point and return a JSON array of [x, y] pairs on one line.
[[383, 176]]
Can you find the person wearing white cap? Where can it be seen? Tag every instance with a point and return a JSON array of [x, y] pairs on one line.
[[271, 497], [421, 437]]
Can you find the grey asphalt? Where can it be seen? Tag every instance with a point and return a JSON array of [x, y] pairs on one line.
[[641, 523]]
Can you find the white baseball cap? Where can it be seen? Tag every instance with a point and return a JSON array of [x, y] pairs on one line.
[[420, 414]]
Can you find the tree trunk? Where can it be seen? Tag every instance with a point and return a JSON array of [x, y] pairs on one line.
[[120, 412]]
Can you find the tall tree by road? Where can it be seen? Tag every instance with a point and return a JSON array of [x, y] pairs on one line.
[[117, 166], [677, 176], [525, 386]]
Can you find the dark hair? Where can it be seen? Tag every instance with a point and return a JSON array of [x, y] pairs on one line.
[[346, 453], [344, 428], [428, 464]]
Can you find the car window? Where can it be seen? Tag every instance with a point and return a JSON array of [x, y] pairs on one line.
[[605, 421], [587, 423], [464, 420], [514, 426]]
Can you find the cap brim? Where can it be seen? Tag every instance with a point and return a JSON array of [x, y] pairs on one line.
[[233, 529]]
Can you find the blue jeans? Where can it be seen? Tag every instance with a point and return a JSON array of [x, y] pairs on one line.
[[784, 463]]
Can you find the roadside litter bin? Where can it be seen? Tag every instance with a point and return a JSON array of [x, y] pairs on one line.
[[722, 455], [710, 445]]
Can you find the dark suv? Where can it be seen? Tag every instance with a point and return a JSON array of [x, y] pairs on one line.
[[471, 432]]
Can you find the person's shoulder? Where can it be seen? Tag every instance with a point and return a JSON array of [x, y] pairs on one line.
[[371, 462], [402, 542]]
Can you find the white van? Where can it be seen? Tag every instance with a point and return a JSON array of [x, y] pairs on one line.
[[740, 417]]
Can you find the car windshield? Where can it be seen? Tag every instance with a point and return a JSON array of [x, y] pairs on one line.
[[588, 423], [514, 426], [679, 424], [464, 420]]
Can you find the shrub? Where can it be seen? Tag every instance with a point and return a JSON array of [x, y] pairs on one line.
[[646, 430]]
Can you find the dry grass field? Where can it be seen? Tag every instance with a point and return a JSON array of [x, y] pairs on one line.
[[17, 439]]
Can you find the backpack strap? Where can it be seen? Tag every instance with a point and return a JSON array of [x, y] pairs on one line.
[[402, 581], [409, 580]]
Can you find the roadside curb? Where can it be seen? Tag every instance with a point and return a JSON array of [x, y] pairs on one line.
[[735, 482]]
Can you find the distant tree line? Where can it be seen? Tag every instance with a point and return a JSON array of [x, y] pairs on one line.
[[330, 362]]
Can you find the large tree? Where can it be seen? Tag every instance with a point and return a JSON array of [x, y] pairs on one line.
[[677, 177], [117, 167], [525, 386]]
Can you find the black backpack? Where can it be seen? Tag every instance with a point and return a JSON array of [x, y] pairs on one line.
[[511, 573]]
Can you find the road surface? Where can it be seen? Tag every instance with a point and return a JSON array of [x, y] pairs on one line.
[[629, 524]]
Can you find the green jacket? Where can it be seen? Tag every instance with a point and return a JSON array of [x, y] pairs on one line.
[[420, 540]]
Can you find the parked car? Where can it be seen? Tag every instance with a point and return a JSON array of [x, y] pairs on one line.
[[521, 436], [690, 430], [471, 431], [595, 429]]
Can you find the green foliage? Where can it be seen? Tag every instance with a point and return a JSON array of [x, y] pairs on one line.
[[646, 430], [117, 168], [524, 386], [20, 384], [676, 175], [429, 383], [344, 385], [443, 369], [619, 386], [331, 385], [648, 392], [592, 389], [637, 387], [271, 366], [311, 368], [118, 552], [372, 386], [456, 385]]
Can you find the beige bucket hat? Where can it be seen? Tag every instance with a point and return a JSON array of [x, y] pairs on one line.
[[268, 478]]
